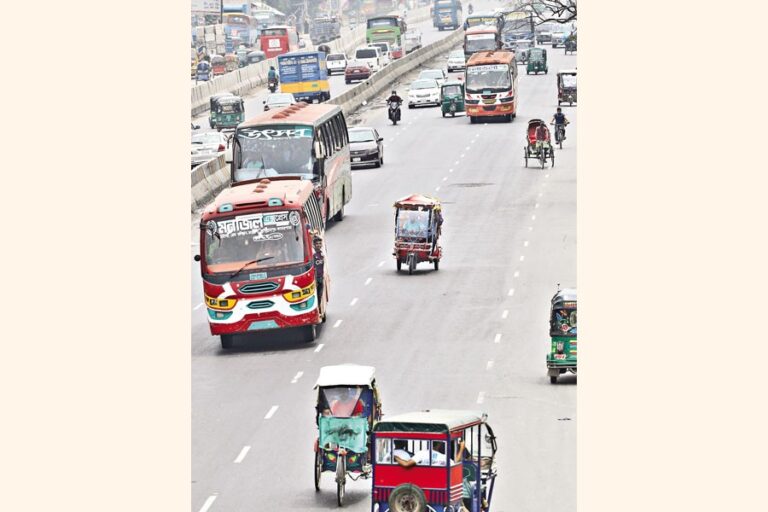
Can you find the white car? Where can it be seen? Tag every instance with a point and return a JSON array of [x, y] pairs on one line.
[[385, 51], [437, 75], [456, 61], [370, 56], [278, 99], [209, 145], [336, 62], [424, 91]]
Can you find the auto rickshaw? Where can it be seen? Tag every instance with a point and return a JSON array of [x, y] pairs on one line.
[[226, 112], [231, 63], [256, 56], [566, 87], [452, 97], [570, 44], [203, 71], [435, 460], [219, 65], [242, 56], [561, 357], [325, 49], [418, 224], [540, 150], [348, 407], [537, 61]]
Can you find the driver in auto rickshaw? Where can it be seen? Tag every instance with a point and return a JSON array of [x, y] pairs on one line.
[[414, 224]]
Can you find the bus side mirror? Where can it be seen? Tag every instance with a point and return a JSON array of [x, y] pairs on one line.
[[197, 257]]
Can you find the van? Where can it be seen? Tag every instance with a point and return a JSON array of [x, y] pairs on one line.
[[370, 56]]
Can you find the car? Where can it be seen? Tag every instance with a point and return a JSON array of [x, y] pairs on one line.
[[277, 100], [437, 75], [356, 71], [558, 38], [545, 36], [369, 55], [336, 62], [456, 61], [424, 91], [365, 147], [206, 146], [385, 51]]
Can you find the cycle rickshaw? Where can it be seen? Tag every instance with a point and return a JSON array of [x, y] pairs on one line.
[[540, 150]]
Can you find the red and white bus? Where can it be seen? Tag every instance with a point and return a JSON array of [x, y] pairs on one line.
[[307, 141], [257, 259], [491, 85], [278, 40]]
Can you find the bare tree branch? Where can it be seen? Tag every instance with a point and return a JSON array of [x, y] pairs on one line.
[[557, 11]]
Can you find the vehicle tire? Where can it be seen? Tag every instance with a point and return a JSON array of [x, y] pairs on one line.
[[377, 164], [347, 82], [552, 380], [411, 265], [399, 265], [318, 468], [340, 214], [453, 114], [437, 264], [508, 118], [410, 106], [341, 480], [471, 120], [407, 498], [558, 103], [226, 341], [543, 160], [310, 333], [443, 114], [340, 491]]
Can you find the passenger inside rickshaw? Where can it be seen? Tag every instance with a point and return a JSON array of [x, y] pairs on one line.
[[414, 223], [565, 321], [451, 90], [346, 401]]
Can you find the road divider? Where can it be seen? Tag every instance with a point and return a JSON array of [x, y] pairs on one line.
[[208, 179]]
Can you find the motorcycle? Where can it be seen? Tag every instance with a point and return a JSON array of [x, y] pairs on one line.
[[272, 84], [394, 112]]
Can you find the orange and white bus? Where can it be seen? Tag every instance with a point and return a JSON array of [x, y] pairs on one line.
[[481, 39], [257, 259], [278, 40], [307, 141], [491, 85]]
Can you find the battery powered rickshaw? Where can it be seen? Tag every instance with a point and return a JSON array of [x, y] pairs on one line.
[[226, 112], [418, 224], [537, 61], [452, 97], [540, 150], [434, 460], [231, 62], [566, 87], [561, 357], [348, 407], [219, 65]]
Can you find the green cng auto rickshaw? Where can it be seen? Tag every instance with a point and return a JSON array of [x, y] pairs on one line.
[[227, 111], [537, 61], [562, 330], [452, 97]]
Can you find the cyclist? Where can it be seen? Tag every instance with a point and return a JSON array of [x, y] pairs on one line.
[[560, 121]]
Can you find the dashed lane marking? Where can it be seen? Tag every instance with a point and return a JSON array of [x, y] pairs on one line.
[[354, 301], [208, 503], [368, 281], [338, 323], [505, 314], [525, 244], [522, 258], [481, 397], [319, 348], [489, 365], [511, 292], [497, 338], [271, 412], [297, 377], [198, 306], [516, 274], [242, 454]]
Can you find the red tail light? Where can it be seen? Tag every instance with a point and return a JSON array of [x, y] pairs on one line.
[[222, 147]]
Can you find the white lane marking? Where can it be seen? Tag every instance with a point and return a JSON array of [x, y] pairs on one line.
[[368, 281], [497, 338], [457, 163], [522, 258], [208, 503], [354, 301], [541, 194], [516, 274], [198, 306], [297, 376], [530, 228], [319, 348], [467, 148], [546, 175], [505, 313], [271, 412], [480, 397], [242, 455], [511, 292], [462, 155], [525, 244], [450, 170], [445, 179], [533, 217], [489, 365], [437, 188], [536, 205], [381, 263], [338, 323]]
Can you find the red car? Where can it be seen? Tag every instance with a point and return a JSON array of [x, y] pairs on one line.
[[356, 71]]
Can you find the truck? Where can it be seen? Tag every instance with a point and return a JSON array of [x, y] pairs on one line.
[[324, 30], [305, 75], [446, 14], [412, 41]]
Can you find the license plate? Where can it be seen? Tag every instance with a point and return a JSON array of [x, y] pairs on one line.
[[559, 356], [356, 159]]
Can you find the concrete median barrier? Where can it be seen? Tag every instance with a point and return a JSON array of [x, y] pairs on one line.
[[208, 179]]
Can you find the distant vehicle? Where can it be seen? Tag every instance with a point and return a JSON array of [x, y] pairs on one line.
[[279, 40], [226, 111], [446, 14], [437, 75], [545, 36], [304, 75], [241, 26], [207, 146], [255, 56], [412, 41], [277, 100], [369, 55], [491, 19], [456, 61], [366, 147], [389, 28], [481, 39], [356, 71], [323, 30], [336, 62], [218, 64], [558, 39], [385, 51], [425, 91]]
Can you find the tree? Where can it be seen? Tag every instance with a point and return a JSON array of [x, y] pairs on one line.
[[558, 11]]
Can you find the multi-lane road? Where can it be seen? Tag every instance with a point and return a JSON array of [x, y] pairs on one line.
[[472, 335]]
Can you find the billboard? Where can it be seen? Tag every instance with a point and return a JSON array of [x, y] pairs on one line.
[[206, 6]]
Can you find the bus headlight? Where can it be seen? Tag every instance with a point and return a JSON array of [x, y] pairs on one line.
[[220, 304], [299, 295], [301, 306]]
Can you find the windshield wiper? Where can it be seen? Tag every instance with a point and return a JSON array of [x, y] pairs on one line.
[[250, 263]]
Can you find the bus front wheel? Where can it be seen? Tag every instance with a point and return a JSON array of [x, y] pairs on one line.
[[226, 341]]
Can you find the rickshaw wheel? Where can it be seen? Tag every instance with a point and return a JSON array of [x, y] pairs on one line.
[[340, 494], [407, 498], [318, 468]]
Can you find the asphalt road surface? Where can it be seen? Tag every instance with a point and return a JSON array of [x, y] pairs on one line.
[[472, 335]]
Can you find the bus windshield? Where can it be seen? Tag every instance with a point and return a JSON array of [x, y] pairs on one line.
[[273, 237], [382, 22], [274, 32], [266, 151], [480, 42], [490, 20], [237, 19], [492, 77]]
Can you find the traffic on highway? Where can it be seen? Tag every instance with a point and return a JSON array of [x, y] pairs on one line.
[[386, 296]]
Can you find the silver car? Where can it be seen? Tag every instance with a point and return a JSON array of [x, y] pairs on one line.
[[209, 145], [456, 61], [278, 99]]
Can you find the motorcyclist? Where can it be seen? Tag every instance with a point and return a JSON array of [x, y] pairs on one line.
[[469, 9], [396, 99], [272, 74], [559, 120]]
